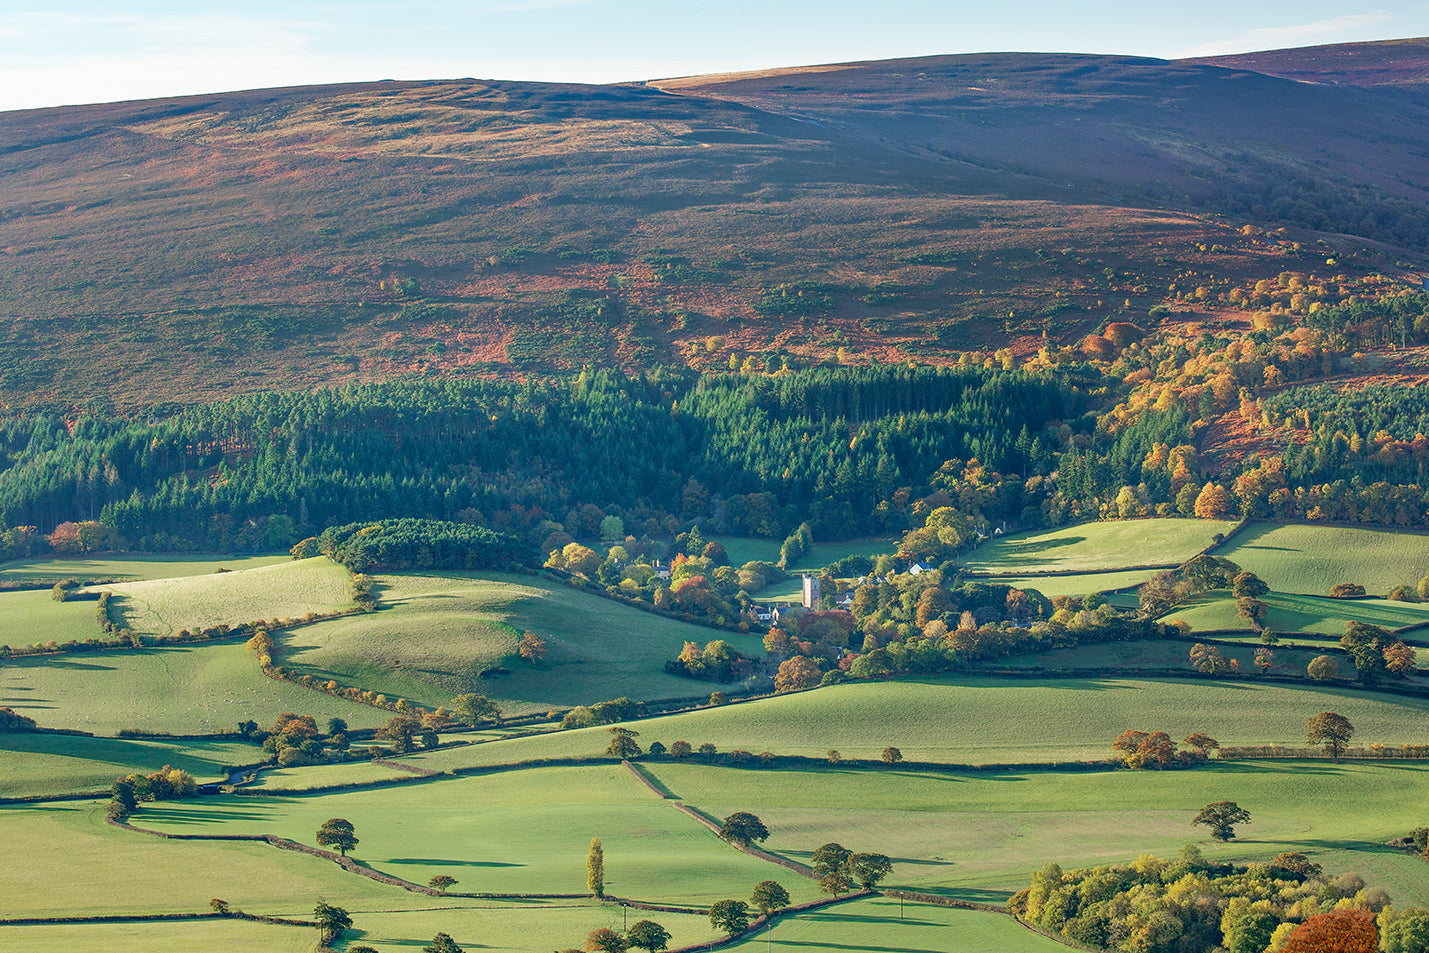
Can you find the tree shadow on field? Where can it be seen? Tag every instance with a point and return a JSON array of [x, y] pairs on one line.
[[442, 862]]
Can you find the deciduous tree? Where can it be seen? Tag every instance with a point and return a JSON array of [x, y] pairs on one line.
[[331, 920], [442, 943], [337, 832], [605, 940], [473, 709], [648, 935], [442, 882], [1331, 730], [742, 828], [622, 743], [868, 869], [1221, 817], [769, 895], [595, 868], [731, 916]]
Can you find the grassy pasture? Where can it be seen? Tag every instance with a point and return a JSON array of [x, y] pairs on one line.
[[1290, 612], [180, 689], [745, 549], [130, 568], [60, 764], [441, 632], [1079, 585], [286, 589], [77, 865], [1311, 559], [1097, 547], [982, 720], [533, 926], [1155, 655], [321, 775], [212, 936], [881, 923], [32, 616], [981, 836], [519, 832]]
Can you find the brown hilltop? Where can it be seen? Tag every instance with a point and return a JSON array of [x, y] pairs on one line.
[[196, 247]]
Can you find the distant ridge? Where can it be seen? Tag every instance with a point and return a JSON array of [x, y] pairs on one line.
[[1383, 63]]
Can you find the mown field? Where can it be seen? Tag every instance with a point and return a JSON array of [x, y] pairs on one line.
[[148, 566], [517, 832], [33, 617], [1081, 584], [77, 865], [179, 689], [1290, 612], [883, 924], [1311, 559], [59, 764], [1097, 547], [441, 632], [288, 589], [979, 836], [986, 720], [212, 936]]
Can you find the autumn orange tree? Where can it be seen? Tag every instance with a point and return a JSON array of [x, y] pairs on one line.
[[1340, 931]]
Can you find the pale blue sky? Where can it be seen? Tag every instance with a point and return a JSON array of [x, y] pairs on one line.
[[71, 51]]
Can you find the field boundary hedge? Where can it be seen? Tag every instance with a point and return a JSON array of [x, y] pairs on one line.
[[1054, 573], [757, 924], [153, 918]]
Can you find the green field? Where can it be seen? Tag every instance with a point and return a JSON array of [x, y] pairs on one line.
[[287, 589], [180, 689], [742, 550], [1291, 612], [322, 775], [1155, 655], [441, 632], [36, 764], [517, 832], [533, 926], [1311, 559], [1078, 585], [211, 936], [883, 924], [980, 836], [1097, 547], [77, 865], [129, 568], [985, 720], [31, 617]]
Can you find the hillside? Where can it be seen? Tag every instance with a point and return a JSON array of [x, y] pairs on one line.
[[195, 248]]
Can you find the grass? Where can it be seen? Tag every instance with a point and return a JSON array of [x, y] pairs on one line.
[[287, 589], [129, 568], [442, 632], [77, 865], [984, 720], [1097, 547], [322, 775], [1078, 585], [59, 764], [745, 549], [519, 832], [1311, 559], [33, 617], [534, 926], [882, 923], [212, 936], [1154, 655], [1300, 613], [981, 836], [181, 690]]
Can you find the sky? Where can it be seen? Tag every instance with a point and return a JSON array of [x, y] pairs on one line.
[[81, 51]]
